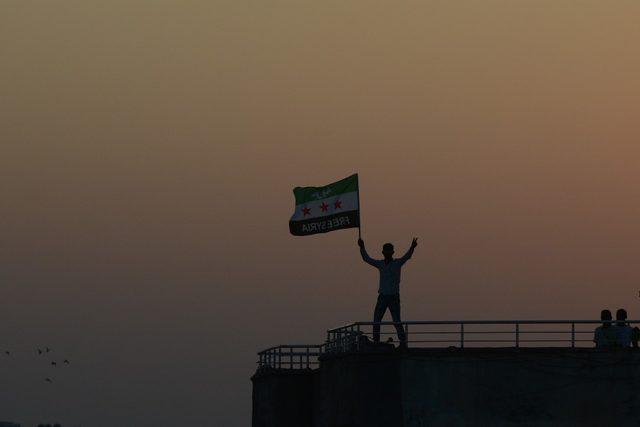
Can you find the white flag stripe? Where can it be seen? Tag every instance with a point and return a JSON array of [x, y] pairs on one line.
[[345, 202]]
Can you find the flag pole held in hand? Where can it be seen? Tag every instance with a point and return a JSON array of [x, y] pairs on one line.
[[359, 221]]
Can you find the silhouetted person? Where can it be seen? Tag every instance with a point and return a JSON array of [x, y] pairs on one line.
[[624, 332], [605, 335], [389, 287]]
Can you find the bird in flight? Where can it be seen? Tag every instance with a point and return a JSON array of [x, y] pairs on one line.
[[48, 380], [8, 353], [66, 361], [39, 351], [54, 364]]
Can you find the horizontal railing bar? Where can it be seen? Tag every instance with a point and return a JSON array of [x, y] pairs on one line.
[[297, 346], [287, 362], [553, 340], [568, 331], [289, 355], [511, 341], [458, 341], [479, 322], [457, 332], [551, 332], [291, 346], [466, 341]]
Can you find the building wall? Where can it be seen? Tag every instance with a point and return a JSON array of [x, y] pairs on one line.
[[470, 387], [361, 390], [526, 387], [283, 398]]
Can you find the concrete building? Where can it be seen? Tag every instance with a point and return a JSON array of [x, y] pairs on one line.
[[350, 383]]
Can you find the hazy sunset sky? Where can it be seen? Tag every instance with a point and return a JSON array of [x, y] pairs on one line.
[[148, 152]]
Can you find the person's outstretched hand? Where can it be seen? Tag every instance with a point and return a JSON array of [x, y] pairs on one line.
[[361, 243], [414, 243]]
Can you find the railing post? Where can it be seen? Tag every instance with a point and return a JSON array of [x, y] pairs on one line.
[[517, 335], [290, 357], [307, 357], [351, 335], [573, 335], [279, 357], [461, 335], [406, 334]]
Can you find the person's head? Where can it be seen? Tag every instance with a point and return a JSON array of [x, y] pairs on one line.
[[605, 315], [621, 316], [387, 250]]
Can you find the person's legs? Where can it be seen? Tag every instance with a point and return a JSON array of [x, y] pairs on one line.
[[378, 314], [394, 308]]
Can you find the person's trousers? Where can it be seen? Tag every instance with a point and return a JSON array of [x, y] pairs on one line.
[[392, 302]]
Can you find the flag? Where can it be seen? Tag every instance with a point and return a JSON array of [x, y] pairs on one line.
[[323, 209]]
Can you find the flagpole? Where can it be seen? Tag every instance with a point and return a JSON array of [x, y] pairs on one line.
[[359, 217]]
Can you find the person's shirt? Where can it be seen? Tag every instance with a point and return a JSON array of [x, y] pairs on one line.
[[389, 272], [605, 336], [623, 335]]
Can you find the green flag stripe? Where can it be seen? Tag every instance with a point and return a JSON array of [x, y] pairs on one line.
[[310, 194]]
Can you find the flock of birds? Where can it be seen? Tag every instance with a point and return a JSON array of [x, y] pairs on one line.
[[41, 352]]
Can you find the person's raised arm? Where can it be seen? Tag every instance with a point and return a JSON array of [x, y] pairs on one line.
[[406, 257], [365, 256]]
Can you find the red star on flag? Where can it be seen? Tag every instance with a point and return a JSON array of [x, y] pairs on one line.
[[306, 211], [337, 204], [324, 207]]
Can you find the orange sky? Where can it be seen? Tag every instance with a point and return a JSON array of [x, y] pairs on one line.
[[149, 150]]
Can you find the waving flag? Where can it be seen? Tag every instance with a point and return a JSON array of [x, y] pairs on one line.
[[328, 208]]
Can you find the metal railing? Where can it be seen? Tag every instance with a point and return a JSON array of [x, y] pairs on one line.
[[438, 334], [471, 333], [300, 356]]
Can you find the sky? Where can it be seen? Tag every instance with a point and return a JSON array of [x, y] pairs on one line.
[[148, 152]]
